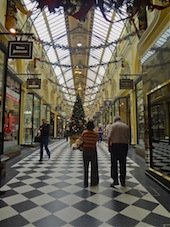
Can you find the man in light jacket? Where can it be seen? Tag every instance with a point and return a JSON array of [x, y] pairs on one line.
[[118, 140]]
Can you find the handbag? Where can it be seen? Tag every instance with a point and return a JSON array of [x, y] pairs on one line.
[[79, 143], [37, 139]]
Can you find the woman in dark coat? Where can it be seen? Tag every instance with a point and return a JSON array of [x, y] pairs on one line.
[[44, 138]]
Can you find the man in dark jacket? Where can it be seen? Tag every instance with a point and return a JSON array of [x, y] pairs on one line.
[[44, 138], [118, 140]]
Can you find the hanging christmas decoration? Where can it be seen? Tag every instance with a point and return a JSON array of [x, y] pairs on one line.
[[74, 66], [80, 8]]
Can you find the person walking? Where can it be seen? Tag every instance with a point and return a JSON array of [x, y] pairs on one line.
[[90, 138], [100, 134], [66, 135], [44, 139], [118, 140]]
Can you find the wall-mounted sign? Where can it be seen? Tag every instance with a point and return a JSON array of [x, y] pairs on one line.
[[20, 49], [33, 83], [126, 84], [58, 108]]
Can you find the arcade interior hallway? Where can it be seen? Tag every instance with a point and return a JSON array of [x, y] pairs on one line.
[[52, 194]]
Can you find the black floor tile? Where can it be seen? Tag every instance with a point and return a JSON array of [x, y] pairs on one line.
[[122, 221], [148, 205], [157, 220], [55, 206], [15, 221], [85, 221], [85, 206], [32, 194], [23, 206], [50, 221], [115, 205]]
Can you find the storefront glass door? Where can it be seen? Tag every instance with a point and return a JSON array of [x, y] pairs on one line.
[[31, 118]]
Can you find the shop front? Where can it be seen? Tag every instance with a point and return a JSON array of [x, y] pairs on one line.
[[156, 87], [2, 64], [159, 133]]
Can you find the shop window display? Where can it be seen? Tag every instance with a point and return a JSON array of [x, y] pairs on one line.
[[1, 81], [140, 113], [45, 112], [12, 103], [2, 59], [36, 116], [159, 102], [28, 119], [31, 118]]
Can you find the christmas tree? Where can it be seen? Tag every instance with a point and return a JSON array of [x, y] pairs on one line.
[[77, 121]]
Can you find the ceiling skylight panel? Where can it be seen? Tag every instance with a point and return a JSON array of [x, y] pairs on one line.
[[100, 24], [91, 75], [97, 52], [68, 76], [57, 71], [98, 81], [106, 56], [61, 80], [117, 29], [52, 56], [53, 25], [37, 16], [29, 5], [99, 30], [42, 30], [99, 16], [62, 53], [58, 32], [102, 70], [90, 82], [93, 61], [44, 36], [59, 24]]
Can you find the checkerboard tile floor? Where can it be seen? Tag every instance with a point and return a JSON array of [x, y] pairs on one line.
[[51, 194]]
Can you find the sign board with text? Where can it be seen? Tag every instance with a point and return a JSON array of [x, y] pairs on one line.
[[126, 84], [20, 49], [33, 83]]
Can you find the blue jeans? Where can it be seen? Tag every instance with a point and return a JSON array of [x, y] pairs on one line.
[[42, 144]]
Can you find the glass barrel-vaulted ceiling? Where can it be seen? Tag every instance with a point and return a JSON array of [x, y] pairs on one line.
[[57, 29]]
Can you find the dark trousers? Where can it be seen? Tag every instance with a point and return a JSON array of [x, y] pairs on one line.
[[90, 155], [118, 155], [45, 145]]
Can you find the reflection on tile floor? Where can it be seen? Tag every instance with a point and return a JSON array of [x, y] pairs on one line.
[[52, 194]]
